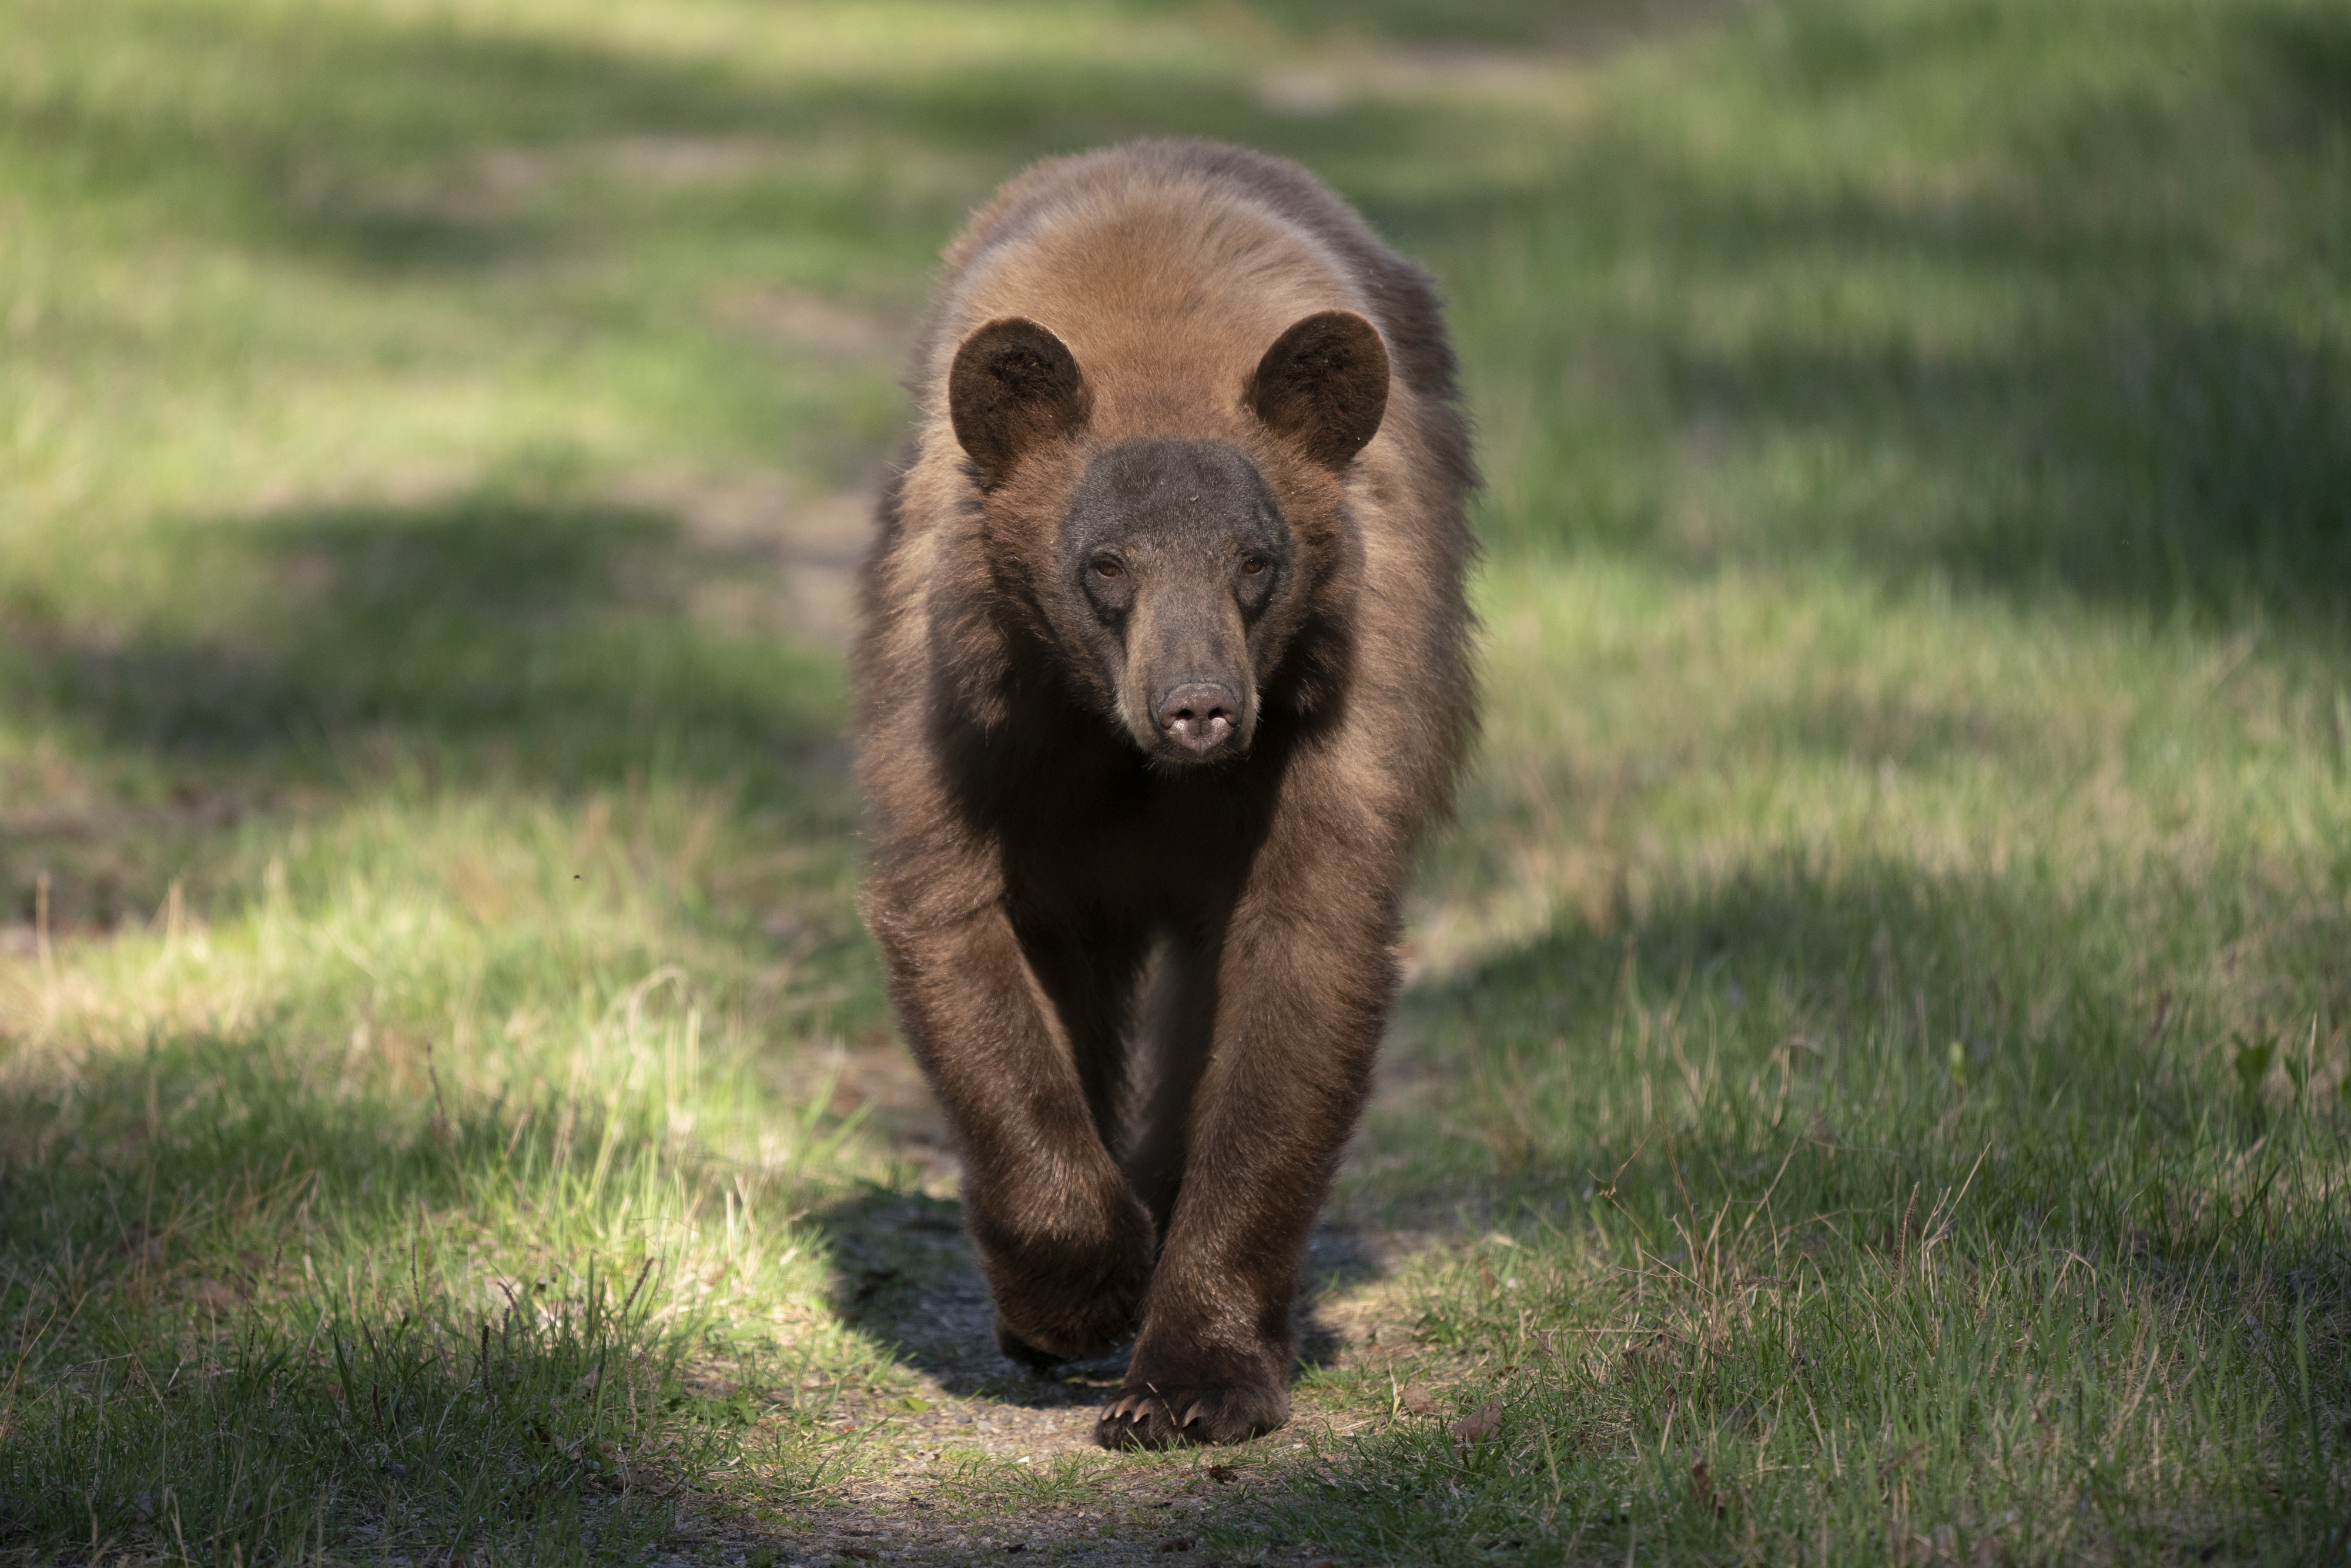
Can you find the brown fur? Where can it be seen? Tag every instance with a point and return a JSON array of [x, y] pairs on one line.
[[1144, 952]]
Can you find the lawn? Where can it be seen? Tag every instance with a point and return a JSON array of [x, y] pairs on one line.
[[1874, 1083]]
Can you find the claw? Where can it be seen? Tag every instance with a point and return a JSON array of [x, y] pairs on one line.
[[1199, 1408]]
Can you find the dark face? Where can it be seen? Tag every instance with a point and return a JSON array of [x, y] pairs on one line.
[[1174, 558]]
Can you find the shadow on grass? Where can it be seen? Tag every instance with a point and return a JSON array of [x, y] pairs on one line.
[[258, 1317], [2310, 51], [2164, 457], [2153, 448], [907, 1278], [551, 646], [1894, 1156], [2067, 374], [2136, 436], [1865, 1030], [390, 148], [551, 639]]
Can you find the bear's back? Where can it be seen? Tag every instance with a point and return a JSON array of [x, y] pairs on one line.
[[1168, 268]]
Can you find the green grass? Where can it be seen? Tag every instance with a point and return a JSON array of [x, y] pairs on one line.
[[1873, 1083]]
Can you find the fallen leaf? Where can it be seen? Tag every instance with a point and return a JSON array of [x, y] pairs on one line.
[[1701, 1483], [211, 1293], [1418, 1400], [1481, 1424], [1223, 1475]]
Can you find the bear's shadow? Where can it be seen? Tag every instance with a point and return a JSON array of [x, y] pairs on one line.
[[904, 1276]]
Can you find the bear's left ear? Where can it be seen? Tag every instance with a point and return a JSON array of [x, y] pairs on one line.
[[1324, 384], [1013, 386]]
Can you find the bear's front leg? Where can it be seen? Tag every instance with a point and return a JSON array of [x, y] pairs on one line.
[[1064, 1243], [1302, 996]]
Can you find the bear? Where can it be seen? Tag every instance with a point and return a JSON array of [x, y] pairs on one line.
[[1165, 666]]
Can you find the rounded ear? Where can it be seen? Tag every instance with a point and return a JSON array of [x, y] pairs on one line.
[[1324, 385], [1013, 385]]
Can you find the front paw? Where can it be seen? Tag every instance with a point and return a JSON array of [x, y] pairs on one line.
[[1158, 1416], [1042, 1323], [1068, 1299]]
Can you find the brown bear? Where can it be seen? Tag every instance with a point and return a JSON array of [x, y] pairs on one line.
[[1164, 668]]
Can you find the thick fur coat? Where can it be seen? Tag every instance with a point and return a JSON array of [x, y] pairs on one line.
[[1163, 672]]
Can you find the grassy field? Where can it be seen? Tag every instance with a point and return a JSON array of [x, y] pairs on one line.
[[1875, 1081]]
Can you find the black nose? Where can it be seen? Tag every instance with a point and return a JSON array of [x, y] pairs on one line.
[[1199, 714]]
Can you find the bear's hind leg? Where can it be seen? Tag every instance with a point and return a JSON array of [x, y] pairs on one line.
[[1175, 1026]]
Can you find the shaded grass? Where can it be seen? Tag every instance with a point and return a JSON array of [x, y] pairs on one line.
[[1964, 1179], [1908, 1223], [488, 645], [2053, 329], [1871, 1084]]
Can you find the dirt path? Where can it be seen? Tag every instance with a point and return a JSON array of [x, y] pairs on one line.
[[971, 1459], [980, 1460]]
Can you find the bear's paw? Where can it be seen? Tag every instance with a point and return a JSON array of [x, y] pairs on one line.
[[1161, 1416]]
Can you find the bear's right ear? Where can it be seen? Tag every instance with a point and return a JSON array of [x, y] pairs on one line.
[[1013, 386]]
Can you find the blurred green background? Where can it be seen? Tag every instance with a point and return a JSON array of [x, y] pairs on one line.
[[435, 439]]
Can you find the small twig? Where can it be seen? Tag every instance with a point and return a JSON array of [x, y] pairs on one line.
[[1951, 1215], [1675, 1166], [441, 1124], [1764, 1202], [1610, 1190]]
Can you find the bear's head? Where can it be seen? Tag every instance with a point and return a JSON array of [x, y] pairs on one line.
[[1173, 571]]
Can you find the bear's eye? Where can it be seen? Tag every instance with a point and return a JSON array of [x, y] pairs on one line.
[[1106, 567], [1253, 565]]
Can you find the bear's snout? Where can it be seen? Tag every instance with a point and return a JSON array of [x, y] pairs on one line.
[[1199, 716]]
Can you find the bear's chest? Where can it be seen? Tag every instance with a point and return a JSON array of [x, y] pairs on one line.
[[1124, 837]]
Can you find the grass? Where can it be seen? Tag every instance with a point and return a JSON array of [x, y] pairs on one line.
[[1873, 1082]]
